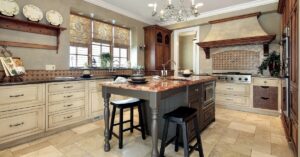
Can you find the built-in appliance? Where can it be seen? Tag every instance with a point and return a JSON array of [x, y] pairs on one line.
[[285, 71], [233, 77]]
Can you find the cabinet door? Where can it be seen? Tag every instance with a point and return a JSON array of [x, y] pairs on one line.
[[167, 56], [96, 103], [159, 59]]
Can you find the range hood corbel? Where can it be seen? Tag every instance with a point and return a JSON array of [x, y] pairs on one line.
[[223, 33]]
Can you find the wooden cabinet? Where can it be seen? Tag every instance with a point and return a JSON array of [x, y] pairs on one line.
[[233, 94], [22, 111], [290, 18], [202, 98], [67, 103], [265, 97], [158, 47], [21, 123]]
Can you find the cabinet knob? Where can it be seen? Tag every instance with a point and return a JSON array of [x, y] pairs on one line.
[[68, 105], [68, 86]]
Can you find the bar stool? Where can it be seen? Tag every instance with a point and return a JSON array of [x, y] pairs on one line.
[[130, 103], [181, 116]]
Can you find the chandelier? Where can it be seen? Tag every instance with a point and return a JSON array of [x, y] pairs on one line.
[[175, 12]]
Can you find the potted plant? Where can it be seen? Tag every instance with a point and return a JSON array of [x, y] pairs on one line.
[[105, 60], [273, 63]]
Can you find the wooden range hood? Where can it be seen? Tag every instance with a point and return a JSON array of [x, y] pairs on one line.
[[224, 33]]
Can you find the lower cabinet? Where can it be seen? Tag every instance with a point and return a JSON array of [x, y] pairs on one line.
[[96, 103], [265, 97], [202, 98], [21, 123], [62, 119]]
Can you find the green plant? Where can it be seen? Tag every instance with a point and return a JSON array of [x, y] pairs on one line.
[[105, 60], [273, 62]]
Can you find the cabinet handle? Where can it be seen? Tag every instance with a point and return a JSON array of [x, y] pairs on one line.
[[264, 86], [229, 99], [68, 117], [68, 86], [264, 98], [197, 90], [265, 81], [230, 88], [15, 96], [68, 105], [68, 96], [17, 124]]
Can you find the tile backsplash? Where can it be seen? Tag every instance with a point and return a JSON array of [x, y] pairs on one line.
[[36, 75], [236, 60]]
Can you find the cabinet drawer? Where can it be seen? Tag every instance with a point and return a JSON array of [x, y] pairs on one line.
[[61, 87], [232, 100], [65, 106], [66, 96], [230, 88], [208, 114], [265, 97], [66, 118], [265, 82], [22, 95], [193, 91], [20, 123]]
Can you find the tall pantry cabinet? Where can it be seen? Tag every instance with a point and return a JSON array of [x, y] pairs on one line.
[[158, 48], [290, 11]]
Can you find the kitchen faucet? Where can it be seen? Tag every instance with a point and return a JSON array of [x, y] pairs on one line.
[[164, 72], [111, 69]]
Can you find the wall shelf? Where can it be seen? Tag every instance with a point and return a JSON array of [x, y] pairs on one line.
[[30, 27]]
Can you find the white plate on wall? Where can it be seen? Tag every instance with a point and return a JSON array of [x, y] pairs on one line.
[[54, 17], [9, 7], [32, 12]]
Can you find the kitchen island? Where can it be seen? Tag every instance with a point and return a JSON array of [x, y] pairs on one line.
[[196, 91]]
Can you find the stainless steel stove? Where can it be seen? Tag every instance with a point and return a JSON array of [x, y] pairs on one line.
[[233, 77]]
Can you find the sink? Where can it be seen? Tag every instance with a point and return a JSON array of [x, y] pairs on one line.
[[64, 78]]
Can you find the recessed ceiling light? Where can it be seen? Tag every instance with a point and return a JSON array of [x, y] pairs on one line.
[[113, 21], [92, 15], [151, 5]]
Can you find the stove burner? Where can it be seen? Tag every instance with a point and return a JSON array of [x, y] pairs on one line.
[[233, 77]]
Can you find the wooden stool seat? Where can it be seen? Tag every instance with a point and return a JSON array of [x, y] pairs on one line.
[[181, 117], [124, 104]]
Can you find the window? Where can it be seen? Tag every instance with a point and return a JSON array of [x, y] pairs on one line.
[[97, 50], [78, 56], [92, 39], [120, 57]]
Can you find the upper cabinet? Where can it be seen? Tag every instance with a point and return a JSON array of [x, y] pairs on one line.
[[158, 50]]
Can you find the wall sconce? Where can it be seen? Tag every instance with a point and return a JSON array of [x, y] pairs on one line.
[[142, 46]]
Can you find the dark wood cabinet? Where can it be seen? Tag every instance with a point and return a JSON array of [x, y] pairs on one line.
[[202, 98], [290, 18], [265, 97], [157, 50]]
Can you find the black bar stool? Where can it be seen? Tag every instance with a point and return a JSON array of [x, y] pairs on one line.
[[124, 104], [181, 116]]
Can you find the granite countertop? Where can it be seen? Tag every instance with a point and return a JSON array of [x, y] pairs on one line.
[[63, 79], [160, 85]]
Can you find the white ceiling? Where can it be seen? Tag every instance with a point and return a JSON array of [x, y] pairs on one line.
[[139, 10]]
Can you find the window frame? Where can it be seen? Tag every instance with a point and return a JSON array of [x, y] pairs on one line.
[[90, 45]]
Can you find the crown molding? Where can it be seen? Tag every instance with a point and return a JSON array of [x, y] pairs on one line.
[[238, 7], [119, 10]]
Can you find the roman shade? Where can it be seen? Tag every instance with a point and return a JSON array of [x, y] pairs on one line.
[[121, 37], [80, 30], [102, 32]]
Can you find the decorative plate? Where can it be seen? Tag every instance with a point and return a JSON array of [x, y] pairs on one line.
[[32, 12], [54, 17], [9, 7]]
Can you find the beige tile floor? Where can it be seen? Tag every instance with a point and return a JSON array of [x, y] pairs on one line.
[[234, 134]]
